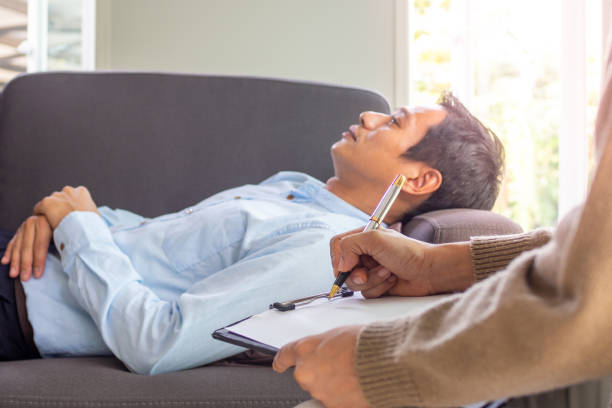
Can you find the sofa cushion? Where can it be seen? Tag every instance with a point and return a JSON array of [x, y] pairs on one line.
[[104, 382]]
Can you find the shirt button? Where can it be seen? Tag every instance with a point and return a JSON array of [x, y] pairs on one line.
[[237, 198], [143, 222], [290, 197], [62, 246], [189, 211]]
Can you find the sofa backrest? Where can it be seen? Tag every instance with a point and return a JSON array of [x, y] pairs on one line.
[[154, 143]]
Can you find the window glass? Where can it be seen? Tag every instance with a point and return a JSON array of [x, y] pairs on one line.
[[13, 31], [504, 60], [64, 34]]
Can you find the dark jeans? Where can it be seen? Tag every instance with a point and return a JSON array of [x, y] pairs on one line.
[[12, 342]]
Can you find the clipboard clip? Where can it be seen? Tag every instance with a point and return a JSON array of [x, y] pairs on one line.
[[291, 304]]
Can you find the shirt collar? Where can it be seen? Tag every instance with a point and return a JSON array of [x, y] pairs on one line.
[[315, 190]]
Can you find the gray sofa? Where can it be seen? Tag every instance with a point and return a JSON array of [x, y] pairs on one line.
[[154, 143]]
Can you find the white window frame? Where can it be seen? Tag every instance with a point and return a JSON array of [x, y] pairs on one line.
[[36, 49], [573, 142], [402, 52]]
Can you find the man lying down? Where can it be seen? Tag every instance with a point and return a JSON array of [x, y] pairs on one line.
[[152, 290]]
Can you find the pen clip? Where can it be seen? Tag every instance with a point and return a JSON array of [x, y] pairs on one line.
[[291, 304]]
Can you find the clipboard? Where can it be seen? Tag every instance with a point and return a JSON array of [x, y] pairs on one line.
[[227, 335], [268, 331]]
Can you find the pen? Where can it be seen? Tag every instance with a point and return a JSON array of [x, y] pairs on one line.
[[376, 219]]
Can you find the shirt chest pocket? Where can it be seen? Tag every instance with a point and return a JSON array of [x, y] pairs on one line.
[[205, 241]]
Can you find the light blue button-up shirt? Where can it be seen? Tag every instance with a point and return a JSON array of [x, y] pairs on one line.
[[151, 291]]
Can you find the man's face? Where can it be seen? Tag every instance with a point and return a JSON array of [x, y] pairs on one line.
[[371, 152]]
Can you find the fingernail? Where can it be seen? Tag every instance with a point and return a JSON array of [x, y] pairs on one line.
[[358, 280], [37, 271], [383, 273], [13, 272]]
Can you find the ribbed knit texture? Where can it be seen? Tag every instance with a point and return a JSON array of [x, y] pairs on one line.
[[494, 253], [384, 382]]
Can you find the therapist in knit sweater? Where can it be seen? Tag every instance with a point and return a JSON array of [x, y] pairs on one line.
[[541, 322]]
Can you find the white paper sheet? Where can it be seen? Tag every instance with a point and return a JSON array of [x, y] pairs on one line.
[[277, 328]]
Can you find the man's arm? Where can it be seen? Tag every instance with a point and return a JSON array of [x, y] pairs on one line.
[[385, 262], [27, 250], [119, 217], [153, 335]]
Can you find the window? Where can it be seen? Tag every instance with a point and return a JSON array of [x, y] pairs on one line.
[[43, 35], [61, 35], [527, 70], [13, 31]]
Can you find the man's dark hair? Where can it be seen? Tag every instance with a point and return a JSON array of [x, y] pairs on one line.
[[467, 153]]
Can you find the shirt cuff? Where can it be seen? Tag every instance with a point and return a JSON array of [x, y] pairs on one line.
[[77, 230]]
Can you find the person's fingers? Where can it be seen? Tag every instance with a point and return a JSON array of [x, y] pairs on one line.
[[378, 281], [289, 354], [41, 245], [27, 248], [368, 261], [362, 279], [380, 289], [15, 255], [353, 248], [285, 358], [334, 247], [357, 279], [39, 207], [304, 377], [6, 257]]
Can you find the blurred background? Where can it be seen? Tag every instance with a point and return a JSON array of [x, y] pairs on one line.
[[530, 70]]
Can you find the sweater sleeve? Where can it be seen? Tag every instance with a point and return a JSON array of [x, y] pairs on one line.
[[535, 326], [493, 253]]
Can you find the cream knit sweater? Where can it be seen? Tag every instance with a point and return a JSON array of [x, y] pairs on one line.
[[544, 321]]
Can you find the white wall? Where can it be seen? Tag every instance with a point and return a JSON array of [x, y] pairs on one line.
[[347, 42]]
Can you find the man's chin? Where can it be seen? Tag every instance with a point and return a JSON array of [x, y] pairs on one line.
[[340, 148]]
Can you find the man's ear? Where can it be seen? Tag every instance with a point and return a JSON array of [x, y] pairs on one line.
[[427, 181]]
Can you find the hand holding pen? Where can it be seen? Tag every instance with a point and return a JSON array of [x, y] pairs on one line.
[[376, 219]]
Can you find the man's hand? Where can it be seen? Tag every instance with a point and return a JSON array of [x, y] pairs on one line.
[[27, 250], [385, 262], [59, 204], [325, 366]]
